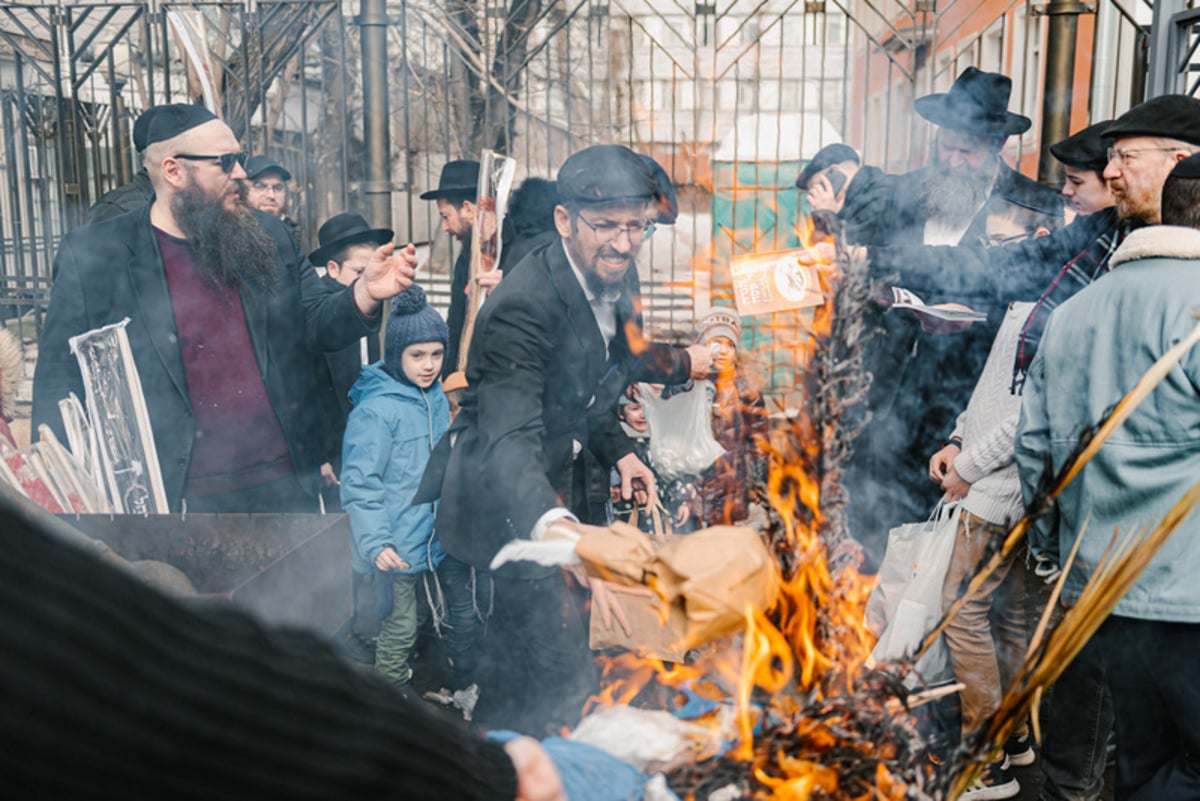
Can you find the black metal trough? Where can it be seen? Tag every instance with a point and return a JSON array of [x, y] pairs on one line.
[[284, 569]]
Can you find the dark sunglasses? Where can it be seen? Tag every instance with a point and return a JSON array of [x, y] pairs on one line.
[[227, 160]]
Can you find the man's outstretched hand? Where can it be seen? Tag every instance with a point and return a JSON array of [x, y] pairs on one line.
[[389, 272]]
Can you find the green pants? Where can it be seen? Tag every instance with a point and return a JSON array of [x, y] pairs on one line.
[[398, 633]]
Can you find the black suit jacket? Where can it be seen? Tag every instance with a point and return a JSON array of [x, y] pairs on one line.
[[539, 383], [109, 271]]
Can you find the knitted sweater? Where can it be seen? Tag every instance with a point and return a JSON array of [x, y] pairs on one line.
[[988, 428]]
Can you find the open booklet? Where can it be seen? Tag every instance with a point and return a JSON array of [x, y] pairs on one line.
[[950, 312]]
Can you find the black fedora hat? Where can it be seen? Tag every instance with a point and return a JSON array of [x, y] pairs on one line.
[[343, 230], [458, 178], [976, 104]]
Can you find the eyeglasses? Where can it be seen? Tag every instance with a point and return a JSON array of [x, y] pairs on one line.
[[228, 160], [610, 231], [1000, 241], [1122, 154], [271, 189]]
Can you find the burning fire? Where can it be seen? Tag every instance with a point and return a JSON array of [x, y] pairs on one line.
[[795, 676]]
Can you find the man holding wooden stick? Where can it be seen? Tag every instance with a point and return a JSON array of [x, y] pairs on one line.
[[456, 195], [554, 347]]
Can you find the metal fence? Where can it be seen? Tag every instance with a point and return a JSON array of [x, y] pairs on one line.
[[731, 97]]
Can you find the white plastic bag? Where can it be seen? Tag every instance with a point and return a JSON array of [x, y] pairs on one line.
[[681, 438], [906, 603]]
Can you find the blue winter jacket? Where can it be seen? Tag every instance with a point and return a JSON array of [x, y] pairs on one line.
[[1096, 347], [392, 428]]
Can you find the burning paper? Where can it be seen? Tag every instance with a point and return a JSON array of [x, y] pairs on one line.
[[773, 282]]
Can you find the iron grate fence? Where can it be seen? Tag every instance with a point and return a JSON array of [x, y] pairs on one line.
[[731, 97]]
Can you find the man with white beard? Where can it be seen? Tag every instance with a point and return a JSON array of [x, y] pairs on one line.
[[947, 200]]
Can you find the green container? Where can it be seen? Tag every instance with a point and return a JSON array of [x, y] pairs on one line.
[[755, 208]]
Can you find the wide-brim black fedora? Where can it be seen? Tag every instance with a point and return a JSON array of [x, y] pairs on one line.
[[976, 104], [458, 178], [344, 230]]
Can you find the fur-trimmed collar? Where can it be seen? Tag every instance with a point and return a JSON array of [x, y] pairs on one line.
[[1159, 241]]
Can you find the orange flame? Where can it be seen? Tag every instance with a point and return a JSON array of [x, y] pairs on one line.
[[813, 642]]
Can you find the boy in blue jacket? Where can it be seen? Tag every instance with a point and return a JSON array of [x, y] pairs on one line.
[[400, 412]]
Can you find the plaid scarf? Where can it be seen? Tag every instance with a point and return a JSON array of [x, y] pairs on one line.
[[1086, 266]]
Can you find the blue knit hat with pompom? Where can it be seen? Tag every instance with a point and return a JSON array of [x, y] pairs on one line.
[[412, 320]]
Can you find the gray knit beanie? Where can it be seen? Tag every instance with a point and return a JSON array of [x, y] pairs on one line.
[[412, 320]]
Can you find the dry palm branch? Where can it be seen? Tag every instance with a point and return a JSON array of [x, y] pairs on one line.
[[1088, 447], [1123, 563]]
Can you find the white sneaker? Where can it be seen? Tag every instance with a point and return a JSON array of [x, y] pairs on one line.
[[997, 782]]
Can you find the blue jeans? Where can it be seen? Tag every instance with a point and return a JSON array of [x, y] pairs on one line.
[[464, 593], [1156, 700], [1077, 719]]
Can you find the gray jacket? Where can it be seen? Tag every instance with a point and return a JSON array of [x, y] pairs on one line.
[[1096, 347]]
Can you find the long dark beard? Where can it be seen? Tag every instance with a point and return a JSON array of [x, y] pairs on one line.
[[954, 196], [230, 246]]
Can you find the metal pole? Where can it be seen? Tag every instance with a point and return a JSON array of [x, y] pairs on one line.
[[1164, 67], [377, 187], [1059, 87]]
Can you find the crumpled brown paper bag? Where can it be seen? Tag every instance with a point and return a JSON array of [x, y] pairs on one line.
[[704, 579]]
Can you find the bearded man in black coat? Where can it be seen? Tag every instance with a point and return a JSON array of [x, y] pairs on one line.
[[554, 347], [225, 313]]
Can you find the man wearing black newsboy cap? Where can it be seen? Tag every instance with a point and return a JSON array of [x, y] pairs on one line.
[[846, 198], [554, 347], [1084, 155], [224, 312]]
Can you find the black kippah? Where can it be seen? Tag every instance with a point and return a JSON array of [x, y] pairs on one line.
[[1187, 168], [161, 123]]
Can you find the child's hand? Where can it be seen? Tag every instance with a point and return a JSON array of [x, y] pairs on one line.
[[388, 559]]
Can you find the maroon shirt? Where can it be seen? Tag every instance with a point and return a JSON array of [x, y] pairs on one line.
[[239, 441]]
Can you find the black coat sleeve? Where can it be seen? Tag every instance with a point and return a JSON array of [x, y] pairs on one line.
[[57, 372], [113, 690], [987, 278]]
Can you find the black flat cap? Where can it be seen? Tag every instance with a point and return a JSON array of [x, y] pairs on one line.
[[825, 157], [160, 123], [342, 231], [1188, 168], [664, 194], [261, 165], [458, 178], [1170, 116], [976, 104], [1086, 149], [606, 174]]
